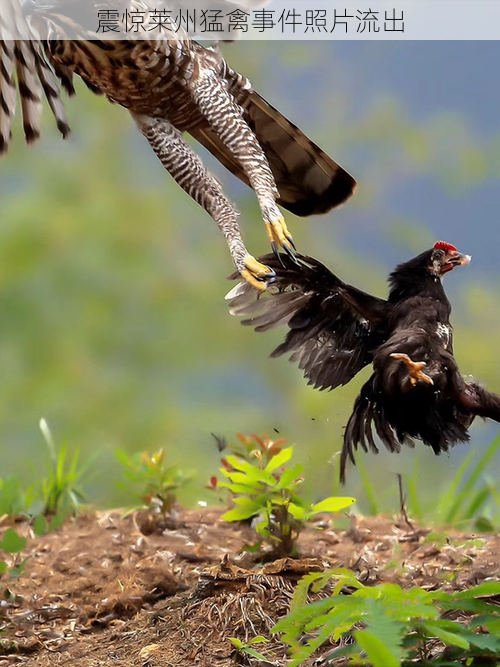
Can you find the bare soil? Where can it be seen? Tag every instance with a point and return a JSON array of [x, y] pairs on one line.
[[128, 592]]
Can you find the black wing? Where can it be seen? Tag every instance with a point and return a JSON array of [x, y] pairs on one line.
[[479, 402], [333, 327]]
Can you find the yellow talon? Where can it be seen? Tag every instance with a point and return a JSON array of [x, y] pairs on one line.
[[256, 274], [278, 233], [248, 277], [414, 369]]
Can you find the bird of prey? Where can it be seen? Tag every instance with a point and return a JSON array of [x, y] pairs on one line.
[[416, 390], [171, 85]]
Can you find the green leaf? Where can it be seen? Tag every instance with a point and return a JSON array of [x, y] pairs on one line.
[[467, 604], [299, 598], [242, 478], [378, 654], [490, 622], [451, 494], [12, 497], [244, 501], [254, 654], [245, 509], [252, 477], [332, 504], [36, 508], [18, 569], [475, 474], [290, 477], [435, 629], [280, 459], [483, 590], [253, 548], [246, 648], [259, 640], [372, 494], [296, 511], [477, 502], [262, 528], [39, 525], [237, 488], [484, 525], [122, 457], [12, 543], [252, 472], [482, 641], [3, 567], [345, 578], [57, 521]]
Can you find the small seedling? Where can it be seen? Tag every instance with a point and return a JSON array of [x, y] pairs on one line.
[[386, 626], [12, 543], [246, 648], [17, 501], [261, 486], [150, 479]]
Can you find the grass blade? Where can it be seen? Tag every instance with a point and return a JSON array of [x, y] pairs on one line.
[[476, 473]]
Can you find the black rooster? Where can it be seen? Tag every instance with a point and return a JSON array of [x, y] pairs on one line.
[[335, 330]]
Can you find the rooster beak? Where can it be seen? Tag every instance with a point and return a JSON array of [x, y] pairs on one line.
[[457, 259]]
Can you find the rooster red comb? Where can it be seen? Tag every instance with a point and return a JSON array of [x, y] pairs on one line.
[[442, 245]]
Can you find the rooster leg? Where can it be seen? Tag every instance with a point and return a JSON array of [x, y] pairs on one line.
[[415, 372]]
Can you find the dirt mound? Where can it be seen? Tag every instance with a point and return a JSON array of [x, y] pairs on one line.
[[107, 590]]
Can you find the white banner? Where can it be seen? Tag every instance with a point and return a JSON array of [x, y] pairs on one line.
[[251, 19]]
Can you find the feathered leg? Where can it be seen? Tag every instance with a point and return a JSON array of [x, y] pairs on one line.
[[226, 119], [186, 167]]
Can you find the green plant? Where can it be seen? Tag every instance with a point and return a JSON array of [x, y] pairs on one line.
[[471, 498], [60, 490], [27, 504], [261, 485], [252, 447], [12, 543], [151, 480], [18, 501], [246, 648], [386, 626], [54, 496]]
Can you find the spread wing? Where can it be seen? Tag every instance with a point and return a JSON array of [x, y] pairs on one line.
[[332, 327], [308, 180], [24, 69], [476, 401], [27, 73]]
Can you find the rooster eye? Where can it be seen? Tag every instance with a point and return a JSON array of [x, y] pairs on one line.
[[439, 254]]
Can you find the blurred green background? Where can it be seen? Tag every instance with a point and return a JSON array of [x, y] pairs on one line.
[[113, 324]]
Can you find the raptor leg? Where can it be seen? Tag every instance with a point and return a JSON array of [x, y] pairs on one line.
[[226, 119], [186, 167], [415, 371]]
